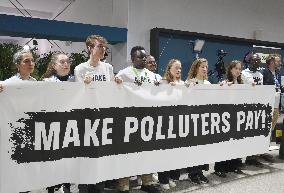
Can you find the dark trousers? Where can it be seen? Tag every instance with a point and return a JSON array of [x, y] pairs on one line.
[[228, 166], [252, 157], [91, 188], [164, 177], [234, 164], [195, 170], [221, 166]]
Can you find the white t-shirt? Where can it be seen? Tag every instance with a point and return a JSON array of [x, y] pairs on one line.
[[17, 78], [177, 82], [101, 72], [180, 82], [131, 74], [196, 81], [250, 77], [158, 77]]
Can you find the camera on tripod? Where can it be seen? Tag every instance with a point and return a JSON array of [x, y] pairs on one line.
[[220, 65], [220, 69], [221, 53]]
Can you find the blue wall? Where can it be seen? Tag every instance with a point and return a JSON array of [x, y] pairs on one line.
[[28, 27], [171, 45]]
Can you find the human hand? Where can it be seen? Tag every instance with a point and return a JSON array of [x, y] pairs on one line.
[[88, 78], [229, 83], [138, 82], [117, 80], [156, 83], [190, 82]]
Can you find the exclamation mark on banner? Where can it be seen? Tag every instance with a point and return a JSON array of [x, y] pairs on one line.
[[263, 117]]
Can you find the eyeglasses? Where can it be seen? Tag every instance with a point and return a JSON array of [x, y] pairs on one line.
[[141, 57], [100, 46], [28, 61], [151, 62], [62, 62]]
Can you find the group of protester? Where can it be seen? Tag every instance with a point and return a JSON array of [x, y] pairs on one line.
[[141, 71]]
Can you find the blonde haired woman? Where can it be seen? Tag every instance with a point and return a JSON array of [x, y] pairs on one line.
[[198, 72], [198, 75], [173, 77], [173, 72]]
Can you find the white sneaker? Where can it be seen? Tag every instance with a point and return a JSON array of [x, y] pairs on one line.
[[172, 184], [155, 178], [39, 191], [60, 190], [74, 188], [165, 186]]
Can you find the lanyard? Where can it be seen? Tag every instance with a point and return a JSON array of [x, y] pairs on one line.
[[277, 84], [138, 74]]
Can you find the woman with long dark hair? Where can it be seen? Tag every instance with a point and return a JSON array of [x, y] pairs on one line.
[[234, 70]]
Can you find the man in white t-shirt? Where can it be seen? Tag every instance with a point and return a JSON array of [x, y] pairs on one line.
[[94, 69], [251, 75], [138, 74]]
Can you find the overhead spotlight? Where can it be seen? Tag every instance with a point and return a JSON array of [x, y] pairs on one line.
[[198, 45]]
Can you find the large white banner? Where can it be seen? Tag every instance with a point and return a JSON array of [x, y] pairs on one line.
[[52, 133]]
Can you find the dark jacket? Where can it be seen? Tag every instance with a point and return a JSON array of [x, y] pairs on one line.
[[268, 77]]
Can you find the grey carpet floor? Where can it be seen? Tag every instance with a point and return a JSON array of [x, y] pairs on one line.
[[269, 179]]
